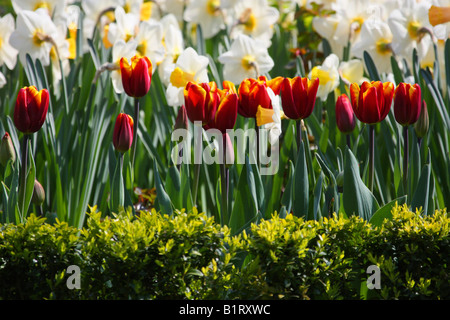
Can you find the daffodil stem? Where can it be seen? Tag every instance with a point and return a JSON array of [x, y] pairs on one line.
[[135, 130], [371, 155], [23, 174], [405, 157]]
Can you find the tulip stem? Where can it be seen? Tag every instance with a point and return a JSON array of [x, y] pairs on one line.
[[23, 174], [135, 130], [405, 157], [299, 132], [197, 160], [371, 155], [257, 143], [348, 141], [224, 181]]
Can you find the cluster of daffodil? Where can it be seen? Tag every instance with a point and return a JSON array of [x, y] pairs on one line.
[[217, 86]]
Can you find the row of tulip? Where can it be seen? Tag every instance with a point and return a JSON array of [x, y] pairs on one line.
[[313, 170]]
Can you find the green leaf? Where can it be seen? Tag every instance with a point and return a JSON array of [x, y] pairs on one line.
[[357, 198], [245, 208], [173, 187], [385, 212], [371, 68], [161, 195], [300, 190], [117, 187], [287, 197], [422, 193]]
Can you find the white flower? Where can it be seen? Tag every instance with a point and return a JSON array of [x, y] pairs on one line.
[[328, 75], [33, 33], [2, 80], [8, 55], [256, 19], [275, 126], [124, 27], [352, 71], [247, 58], [407, 26], [190, 66], [149, 39], [207, 14], [376, 39], [440, 17]]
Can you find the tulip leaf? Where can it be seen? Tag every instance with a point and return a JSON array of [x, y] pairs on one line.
[[422, 193], [173, 187], [245, 210], [385, 212], [286, 199], [371, 68], [162, 198], [300, 188], [447, 62], [358, 199], [117, 198], [436, 94], [4, 214]]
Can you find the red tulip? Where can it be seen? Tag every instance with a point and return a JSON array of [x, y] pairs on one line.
[[253, 93], [201, 101], [345, 119], [372, 102], [226, 113], [123, 133], [298, 96], [407, 103], [31, 109], [136, 78]]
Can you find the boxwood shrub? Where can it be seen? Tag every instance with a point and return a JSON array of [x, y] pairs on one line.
[[189, 256]]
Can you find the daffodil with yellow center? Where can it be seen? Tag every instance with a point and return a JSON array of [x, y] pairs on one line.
[[328, 76], [180, 78]]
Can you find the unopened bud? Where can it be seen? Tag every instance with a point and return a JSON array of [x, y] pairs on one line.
[[423, 123], [38, 194], [7, 151], [340, 181], [182, 119]]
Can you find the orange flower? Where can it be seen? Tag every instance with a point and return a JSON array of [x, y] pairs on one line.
[[298, 96], [201, 101]]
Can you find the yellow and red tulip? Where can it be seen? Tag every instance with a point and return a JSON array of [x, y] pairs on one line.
[[372, 101], [123, 132], [298, 96], [345, 119], [407, 103], [31, 109], [227, 109], [137, 76]]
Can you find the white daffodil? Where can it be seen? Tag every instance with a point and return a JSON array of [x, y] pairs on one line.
[[125, 26], [96, 14], [328, 75], [256, 19], [34, 35], [247, 58], [54, 8], [375, 38], [8, 54], [352, 71], [408, 26], [150, 41], [173, 43], [207, 14], [119, 50], [439, 16], [175, 8], [60, 51], [190, 66]]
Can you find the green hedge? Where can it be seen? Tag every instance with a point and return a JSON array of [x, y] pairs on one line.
[[189, 256]]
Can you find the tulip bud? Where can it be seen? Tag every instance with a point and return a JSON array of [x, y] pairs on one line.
[[31, 109], [181, 122], [7, 151], [38, 197], [136, 78], [423, 123], [123, 133], [345, 119]]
